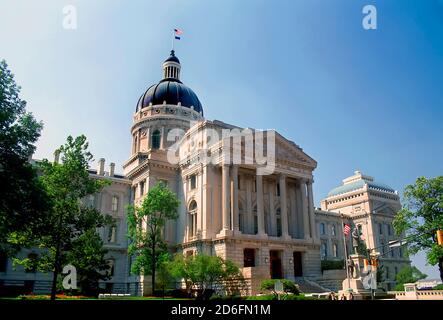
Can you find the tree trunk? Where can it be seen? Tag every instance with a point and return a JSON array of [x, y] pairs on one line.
[[56, 272], [440, 267], [154, 262]]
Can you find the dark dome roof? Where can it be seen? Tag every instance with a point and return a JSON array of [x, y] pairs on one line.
[[172, 91], [172, 57]]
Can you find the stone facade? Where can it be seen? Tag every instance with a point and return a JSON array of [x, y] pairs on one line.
[[370, 206], [265, 223]]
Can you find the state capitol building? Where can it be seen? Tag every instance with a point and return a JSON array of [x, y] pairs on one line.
[[265, 222]]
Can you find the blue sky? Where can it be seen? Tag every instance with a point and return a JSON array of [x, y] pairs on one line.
[[353, 99]]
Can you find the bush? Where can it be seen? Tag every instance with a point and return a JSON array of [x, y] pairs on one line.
[[228, 298], [177, 293], [263, 297], [399, 287], [438, 287], [282, 297], [332, 265], [288, 285]]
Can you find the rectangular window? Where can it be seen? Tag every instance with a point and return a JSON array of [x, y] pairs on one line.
[[335, 250], [380, 228], [278, 190], [112, 234], [111, 264], [193, 181], [239, 182], [249, 258], [389, 230], [164, 183], [91, 201], [142, 188], [114, 203]]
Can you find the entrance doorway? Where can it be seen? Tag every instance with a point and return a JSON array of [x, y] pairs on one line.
[[298, 268], [276, 271]]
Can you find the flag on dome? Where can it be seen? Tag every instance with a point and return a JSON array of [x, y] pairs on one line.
[[178, 32]]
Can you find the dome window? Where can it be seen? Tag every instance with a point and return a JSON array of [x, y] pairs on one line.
[[156, 139]]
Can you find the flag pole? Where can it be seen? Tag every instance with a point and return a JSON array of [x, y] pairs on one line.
[[346, 252], [173, 36]]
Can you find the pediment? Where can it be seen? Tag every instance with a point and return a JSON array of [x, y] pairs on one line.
[[288, 151]]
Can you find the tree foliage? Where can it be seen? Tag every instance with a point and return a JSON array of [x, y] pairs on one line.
[[204, 274], [408, 275], [70, 226], [22, 198], [145, 230], [288, 286], [420, 218]]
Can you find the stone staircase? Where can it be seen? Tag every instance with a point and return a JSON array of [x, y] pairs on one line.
[[333, 285], [309, 286]]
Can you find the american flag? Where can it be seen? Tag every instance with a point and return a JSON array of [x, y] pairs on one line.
[[346, 229], [178, 31]]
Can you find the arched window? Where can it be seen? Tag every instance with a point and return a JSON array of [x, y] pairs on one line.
[[334, 230], [322, 228], [156, 139], [192, 219], [323, 251]]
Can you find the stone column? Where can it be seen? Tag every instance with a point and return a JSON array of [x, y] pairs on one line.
[[272, 214], [304, 205], [249, 221], [163, 139], [148, 139], [234, 210], [260, 208], [283, 207], [293, 224], [225, 197], [138, 140], [311, 210]]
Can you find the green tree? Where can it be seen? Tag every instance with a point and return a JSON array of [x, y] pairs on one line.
[[88, 256], [408, 275], [145, 230], [70, 224], [420, 218], [22, 198], [204, 272]]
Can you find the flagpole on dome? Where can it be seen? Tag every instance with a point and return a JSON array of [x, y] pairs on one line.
[[176, 36]]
